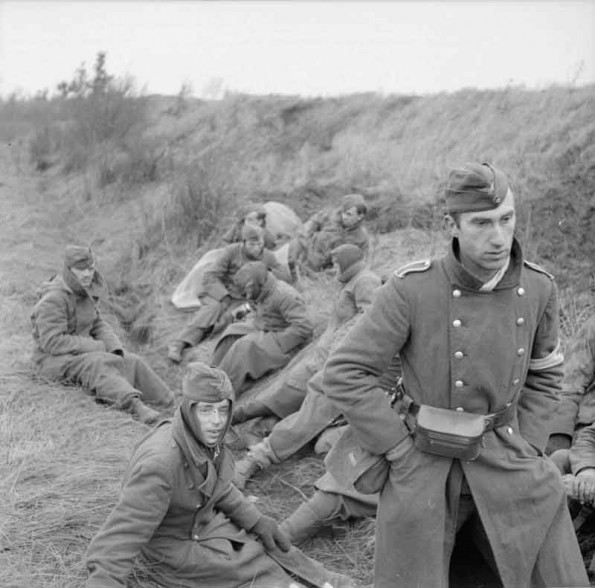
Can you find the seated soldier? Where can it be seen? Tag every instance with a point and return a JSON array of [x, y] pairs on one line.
[[220, 296], [357, 287], [255, 216], [579, 470], [179, 519], [73, 343], [268, 341], [325, 230], [577, 399]]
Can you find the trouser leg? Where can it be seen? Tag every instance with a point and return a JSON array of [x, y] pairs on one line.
[[105, 374], [204, 319], [299, 428], [155, 391]]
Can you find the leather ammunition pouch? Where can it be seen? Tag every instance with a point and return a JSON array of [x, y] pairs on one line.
[[455, 434]]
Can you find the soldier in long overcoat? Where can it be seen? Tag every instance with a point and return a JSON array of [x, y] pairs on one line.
[[477, 333], [221, 296], [267, 341], [180, 521], [285, 395], [74, 343]]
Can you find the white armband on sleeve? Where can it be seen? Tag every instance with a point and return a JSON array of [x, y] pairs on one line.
[[556, 357]]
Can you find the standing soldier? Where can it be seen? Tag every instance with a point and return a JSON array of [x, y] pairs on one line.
[[477, 332]]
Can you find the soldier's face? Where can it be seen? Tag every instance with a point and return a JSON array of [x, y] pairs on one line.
[[254, 247], [84, 274], [485, 238], [212, 418], [351, 217]]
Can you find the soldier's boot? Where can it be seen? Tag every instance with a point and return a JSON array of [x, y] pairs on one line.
[[175, 350], [259, 457], [141, 412], [314, 517]]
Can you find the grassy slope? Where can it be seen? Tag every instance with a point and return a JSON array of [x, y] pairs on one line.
[[62, 455]]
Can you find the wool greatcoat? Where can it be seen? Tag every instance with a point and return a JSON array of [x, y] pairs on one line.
[[74, 343], [280, 326], [285, 396], [463, 348], [180, 512], [220, 294]]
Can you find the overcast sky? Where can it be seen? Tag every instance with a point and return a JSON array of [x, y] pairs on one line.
[[301, 47]]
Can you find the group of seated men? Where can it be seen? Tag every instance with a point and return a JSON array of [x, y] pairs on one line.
[[183, 471], [179, 481]]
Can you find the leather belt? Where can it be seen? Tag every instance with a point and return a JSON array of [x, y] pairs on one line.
[[405, 405]]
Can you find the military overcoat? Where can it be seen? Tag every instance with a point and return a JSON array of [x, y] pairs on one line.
[[472, 350]]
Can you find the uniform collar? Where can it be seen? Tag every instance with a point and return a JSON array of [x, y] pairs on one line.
[[459, 276]]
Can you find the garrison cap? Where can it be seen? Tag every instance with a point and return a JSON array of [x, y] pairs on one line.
[[205, 383], [350, 200], [475, 187], [76, 255]]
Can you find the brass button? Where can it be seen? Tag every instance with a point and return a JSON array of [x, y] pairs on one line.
[[195, 537], [520, 321], [509, 430], [460, 409], [516, 381], [456, 293], [459, 383], [520, 351], [402, 416], [456, 323], [459, 354], [521, 291]]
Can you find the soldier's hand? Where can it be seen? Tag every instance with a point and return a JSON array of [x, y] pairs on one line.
[[270, 534], [584, 486], [400, 449]]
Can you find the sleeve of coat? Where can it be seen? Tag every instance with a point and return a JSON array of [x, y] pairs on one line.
[[582, 452], [300, 329], [102, 331], [212, 279], [352, 372], [279, 271], [579, 371], [238, 509], [540, 395], [364, 290], [51, 319], [144, 501]]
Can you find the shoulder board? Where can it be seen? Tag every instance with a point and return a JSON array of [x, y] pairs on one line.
[[415, 266], [538, 268]]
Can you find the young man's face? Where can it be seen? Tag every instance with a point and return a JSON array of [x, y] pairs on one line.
[[254, 247], [83, 273], [212, 418], [351, 217], [485, 238]]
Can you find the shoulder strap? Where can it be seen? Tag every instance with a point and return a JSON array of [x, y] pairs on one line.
[[416, 266], [538, 268]]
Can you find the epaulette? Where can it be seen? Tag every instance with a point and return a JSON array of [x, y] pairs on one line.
[[415, 266], [538, 268]]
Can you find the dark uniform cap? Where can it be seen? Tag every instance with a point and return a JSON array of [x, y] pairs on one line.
[[475, 187], [251, 232], [205, 383], [346, 255], [76, 255], [350, 200]]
